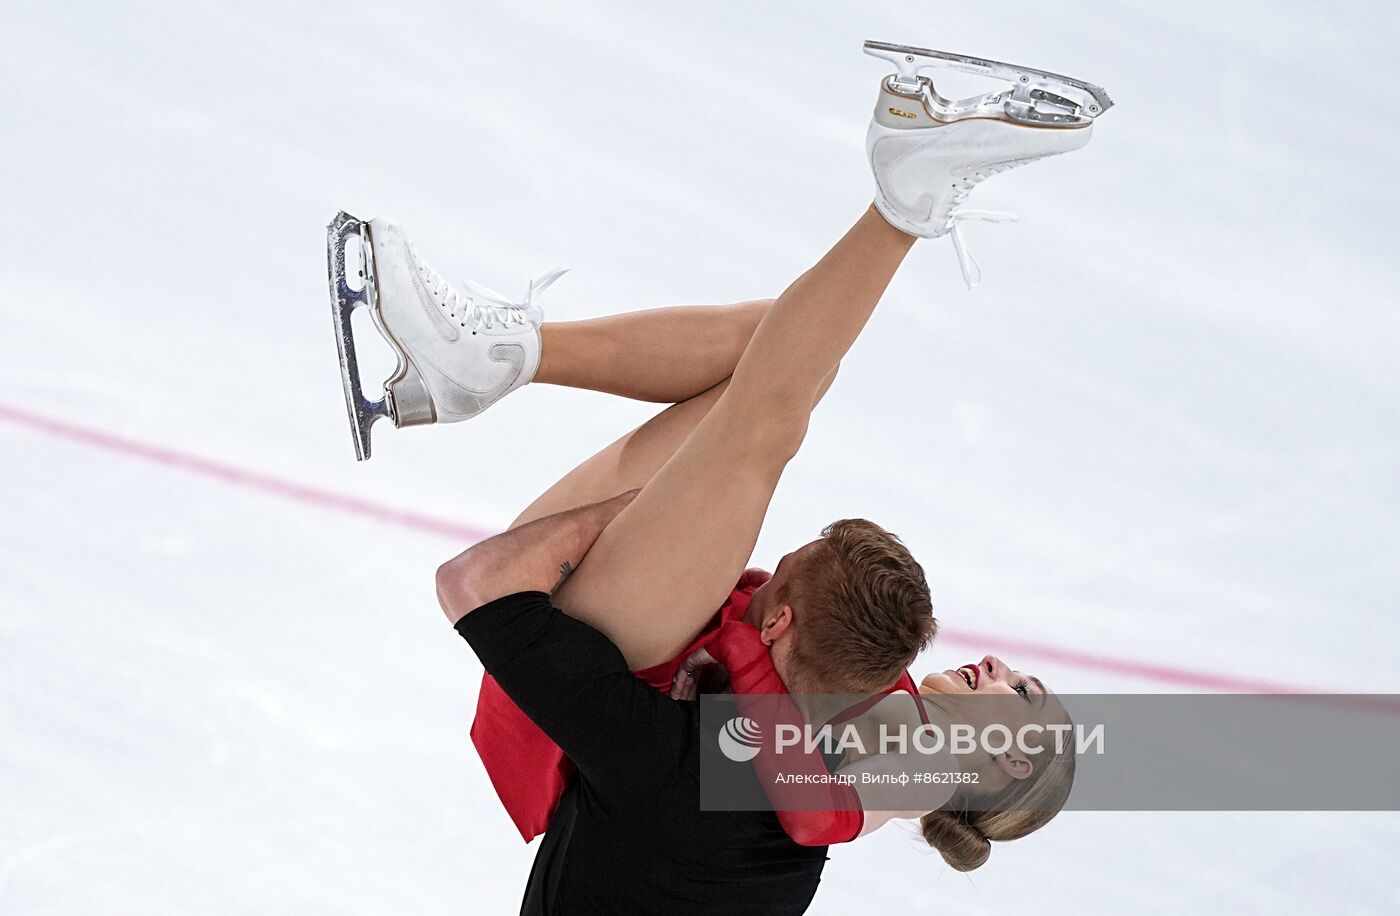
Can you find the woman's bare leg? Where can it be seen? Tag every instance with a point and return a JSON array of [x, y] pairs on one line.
[[657, 573], [684, 354], [666, 355], [631, 461]]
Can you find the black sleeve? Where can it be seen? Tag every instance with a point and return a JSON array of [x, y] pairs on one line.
[[573, 682]]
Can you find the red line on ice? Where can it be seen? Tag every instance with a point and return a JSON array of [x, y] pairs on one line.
[[1108, 664], [238, 476], [339, 502]]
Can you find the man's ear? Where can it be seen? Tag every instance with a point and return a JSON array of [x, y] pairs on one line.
[[776, 625]]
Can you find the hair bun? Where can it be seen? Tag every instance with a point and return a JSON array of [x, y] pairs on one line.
[[961, 844]]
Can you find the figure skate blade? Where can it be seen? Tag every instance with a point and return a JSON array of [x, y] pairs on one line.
[[1030, 85], [352, 286]]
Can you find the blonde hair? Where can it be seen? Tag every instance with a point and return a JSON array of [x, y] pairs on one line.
[[964, 838]]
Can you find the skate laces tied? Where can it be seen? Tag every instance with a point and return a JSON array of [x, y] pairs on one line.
[[972, 274], [487, 306], [493, 307]]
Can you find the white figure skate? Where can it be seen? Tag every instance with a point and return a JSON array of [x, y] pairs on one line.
[[458, 353], [928, 152]]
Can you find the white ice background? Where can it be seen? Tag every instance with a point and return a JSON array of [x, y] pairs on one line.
[[1163, 431]]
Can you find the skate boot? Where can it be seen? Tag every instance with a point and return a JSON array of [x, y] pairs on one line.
[[928, 152], [459, 350]]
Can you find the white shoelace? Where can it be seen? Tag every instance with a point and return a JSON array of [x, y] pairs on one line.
[[972, 274], [480, 306], [501, 308]]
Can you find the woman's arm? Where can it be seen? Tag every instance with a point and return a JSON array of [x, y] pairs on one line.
[[535, 557], [817, 813], [880, 765], [849, 807]]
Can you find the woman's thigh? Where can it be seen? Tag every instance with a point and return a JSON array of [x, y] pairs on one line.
[[662, 567], [628, 463]]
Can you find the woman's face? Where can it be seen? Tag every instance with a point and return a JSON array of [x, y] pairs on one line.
[[991, 677]]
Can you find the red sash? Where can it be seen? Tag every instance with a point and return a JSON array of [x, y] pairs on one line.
[[527, 769], [530, 772]]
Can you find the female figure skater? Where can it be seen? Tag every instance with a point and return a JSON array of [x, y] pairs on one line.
[[846, 613]]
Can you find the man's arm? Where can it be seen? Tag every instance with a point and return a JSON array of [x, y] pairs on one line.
[[536, 557]]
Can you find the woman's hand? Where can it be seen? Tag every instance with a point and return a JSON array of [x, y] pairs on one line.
[[685, 685]]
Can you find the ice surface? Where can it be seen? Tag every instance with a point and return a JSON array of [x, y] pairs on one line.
[[1163, 431]]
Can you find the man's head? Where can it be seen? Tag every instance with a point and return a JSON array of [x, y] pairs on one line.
[[846, 613]]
